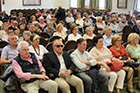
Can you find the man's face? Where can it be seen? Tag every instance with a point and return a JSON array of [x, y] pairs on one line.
[[5, 27], [82, 47], [10, 32], [12, 40], [124, 19], [32, 28], [24, 51], [108, 31], [58, 47]]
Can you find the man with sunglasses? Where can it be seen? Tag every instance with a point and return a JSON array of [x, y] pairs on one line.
[[59, 64]]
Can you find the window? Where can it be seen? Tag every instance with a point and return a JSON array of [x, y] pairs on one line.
[[138, 5], [101, 4], [73, 3], [87, 3]]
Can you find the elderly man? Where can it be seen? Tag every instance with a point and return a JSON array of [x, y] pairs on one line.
[[123, 23], [60, 65], [27, 66], [31, 28], [136, 28], [132, 22], [93, 80], [9, 52], [107, 36]]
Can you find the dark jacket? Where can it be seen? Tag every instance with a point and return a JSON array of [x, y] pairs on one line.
[[136, 30], [28, 67], [52, 64], [131, 24]]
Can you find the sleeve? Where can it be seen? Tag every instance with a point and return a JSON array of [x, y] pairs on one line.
[[4, 53], [77, 62], [93, 53], [93, 61], [18, 71], [112, 51], [131, 52]]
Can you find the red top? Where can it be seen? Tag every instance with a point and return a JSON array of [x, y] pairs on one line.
[[119, 53]]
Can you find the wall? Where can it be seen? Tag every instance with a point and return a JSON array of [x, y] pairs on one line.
[[130, 6], [17, 4]]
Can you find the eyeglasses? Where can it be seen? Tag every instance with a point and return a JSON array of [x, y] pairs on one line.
[[118, 40], [58, 46], [24, 50]]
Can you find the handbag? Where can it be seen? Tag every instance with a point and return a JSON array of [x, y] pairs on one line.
[[115, 66]]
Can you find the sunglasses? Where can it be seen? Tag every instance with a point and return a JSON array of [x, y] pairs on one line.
[[58, 46]]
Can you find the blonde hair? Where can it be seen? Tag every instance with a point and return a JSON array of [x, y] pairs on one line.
[[98, 18], [57, 27], [114, 38], [131, 37]]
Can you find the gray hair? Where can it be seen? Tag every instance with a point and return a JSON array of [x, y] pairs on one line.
[[29, 25], [10, 36], [57, 40], [138, 22], [88, 28], [5, 23], [22, 43]]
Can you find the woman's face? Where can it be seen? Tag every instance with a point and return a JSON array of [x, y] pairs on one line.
[[90, 32], [75, 30], [50, 26], [115, 22], [99, 43], [136, 40], [118, 42], [60, 28], [36, 41], [27, 37]]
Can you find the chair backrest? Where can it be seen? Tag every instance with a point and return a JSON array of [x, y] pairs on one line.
[[89, 43], [49, 46], [70, 45], [70, 51], [44, 35], [43, 42], [56, 37], [88, 49], [3, 44]]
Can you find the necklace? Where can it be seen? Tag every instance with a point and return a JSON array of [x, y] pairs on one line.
[[36, 51]]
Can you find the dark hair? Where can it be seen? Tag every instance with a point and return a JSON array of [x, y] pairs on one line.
[[80, 40], [72, 27], [96, 38]]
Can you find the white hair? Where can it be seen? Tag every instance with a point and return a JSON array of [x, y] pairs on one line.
[[22, 43]]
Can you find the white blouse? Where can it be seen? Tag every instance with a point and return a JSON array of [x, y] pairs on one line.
[[72, 37]]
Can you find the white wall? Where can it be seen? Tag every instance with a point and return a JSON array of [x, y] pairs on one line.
[[130, 6], [17, 4]]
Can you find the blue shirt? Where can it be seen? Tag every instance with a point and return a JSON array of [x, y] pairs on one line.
[[106, 40], [9, 53]]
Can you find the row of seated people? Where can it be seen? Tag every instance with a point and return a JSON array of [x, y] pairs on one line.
[[82, 60]]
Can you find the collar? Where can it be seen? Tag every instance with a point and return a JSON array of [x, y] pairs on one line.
[[57, 54], [105, 37]]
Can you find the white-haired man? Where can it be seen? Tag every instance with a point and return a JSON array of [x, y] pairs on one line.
[[27, 66]]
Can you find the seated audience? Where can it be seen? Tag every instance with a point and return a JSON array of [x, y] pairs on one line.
[[5, 27], [26, 37], [123, 23], [31, 28], [93, 80], [103, 54], [89, 33], [132, 21], [21, 29], [100, 24], [136, 28], [9, 32], [119, 52], [10, 51], [59, 31], [27, 66], [79, 22], [74, 35], [33, 19], [108, 22], [49, 29], [69, 19], [36, 48], [48, 18], [37, 28], [107, 36], [87, 22], [41, 23], [61, 66]]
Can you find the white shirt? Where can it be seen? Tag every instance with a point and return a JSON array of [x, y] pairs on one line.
[[43, 50], [72, 37], [80, 22]]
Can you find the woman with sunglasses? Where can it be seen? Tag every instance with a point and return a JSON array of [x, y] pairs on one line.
[[39, 50]]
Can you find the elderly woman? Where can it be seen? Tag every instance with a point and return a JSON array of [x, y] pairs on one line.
[[119, 52], [89, 33], [100, 24], [41, 23], [26, 37], [115, 26], [39, 50], [49, 29], [74, 35], [59, 31], [133, 48], [103, 54]]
